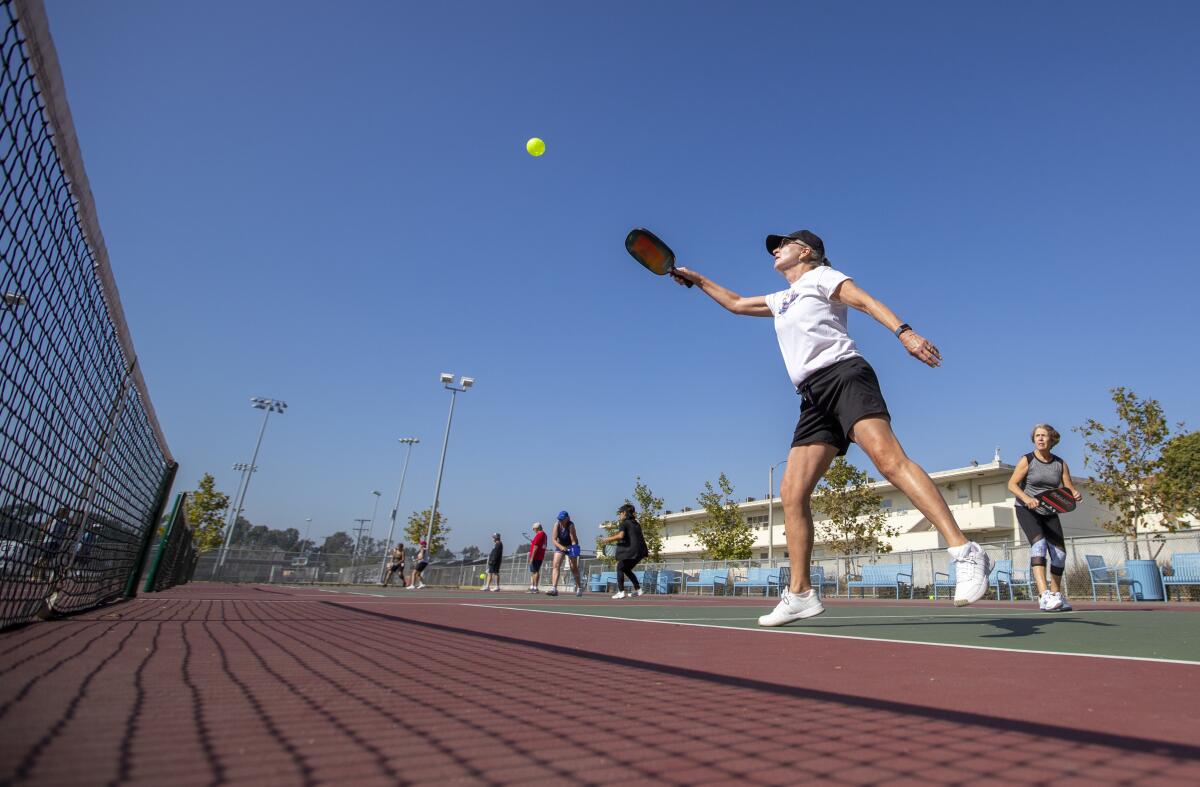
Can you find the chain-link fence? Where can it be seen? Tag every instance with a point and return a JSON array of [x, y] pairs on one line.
[[673, 576]]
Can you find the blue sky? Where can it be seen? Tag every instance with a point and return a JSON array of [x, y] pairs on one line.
[[331, 204]]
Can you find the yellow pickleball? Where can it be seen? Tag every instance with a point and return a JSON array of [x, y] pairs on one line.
[[535, 146]]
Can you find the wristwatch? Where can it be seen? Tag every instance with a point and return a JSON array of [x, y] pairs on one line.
[[903, 327]]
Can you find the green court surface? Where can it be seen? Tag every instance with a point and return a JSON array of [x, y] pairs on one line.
[[1165, 635]]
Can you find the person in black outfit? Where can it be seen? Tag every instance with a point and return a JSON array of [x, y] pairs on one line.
[[493, 566], [631, 549], [396, 566]]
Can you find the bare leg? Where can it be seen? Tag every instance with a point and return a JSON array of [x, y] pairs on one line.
[[557, 567], [806, 464], [874, 436], [575, 571], [1039, 578]]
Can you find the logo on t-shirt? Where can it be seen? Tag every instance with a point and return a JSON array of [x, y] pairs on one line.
[[787, 301]]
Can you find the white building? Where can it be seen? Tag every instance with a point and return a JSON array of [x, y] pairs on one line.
[[978, 497]]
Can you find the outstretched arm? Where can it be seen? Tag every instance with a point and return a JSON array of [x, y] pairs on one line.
[[755, 306], [917, 345]]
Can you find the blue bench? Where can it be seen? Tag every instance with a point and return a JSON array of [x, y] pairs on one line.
[[1103, 575], [1185, 570], [883, 575], [759, 578], [708, 578], [598, 583]]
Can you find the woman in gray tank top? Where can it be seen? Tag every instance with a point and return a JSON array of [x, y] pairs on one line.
[[1040, 471]]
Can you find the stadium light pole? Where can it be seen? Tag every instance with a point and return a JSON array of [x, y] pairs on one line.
[[447, 383], [270, 406], [771, 509], [307, 528], [374, 511], [387, 548]]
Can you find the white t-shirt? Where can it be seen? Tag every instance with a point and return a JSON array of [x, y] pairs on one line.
[[811, 327]]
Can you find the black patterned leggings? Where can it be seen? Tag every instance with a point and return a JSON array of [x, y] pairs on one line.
[[625, 569]]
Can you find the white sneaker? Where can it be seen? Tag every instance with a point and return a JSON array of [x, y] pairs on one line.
[[620, 594], [1049, 602], [637, 592], [1063, 604], [971, 569], [578, 592], [411, 587], [793, 607], [421, 586], [552, 592]]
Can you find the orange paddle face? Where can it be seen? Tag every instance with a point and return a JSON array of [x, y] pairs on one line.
[[649, 250]]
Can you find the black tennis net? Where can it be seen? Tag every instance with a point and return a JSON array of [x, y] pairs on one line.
[[84, 467]]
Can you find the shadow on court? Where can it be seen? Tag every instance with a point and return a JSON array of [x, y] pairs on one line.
[[239, 690]]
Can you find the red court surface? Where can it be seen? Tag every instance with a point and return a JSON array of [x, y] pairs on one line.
[[212, 684]]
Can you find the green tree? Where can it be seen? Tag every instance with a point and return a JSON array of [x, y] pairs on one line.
[[340, 543], [418, 522], [723, 534], [856, 523], [607, 528], [650, 517], [204, 511], [1126, 458], [471, 553], [1177, 487]]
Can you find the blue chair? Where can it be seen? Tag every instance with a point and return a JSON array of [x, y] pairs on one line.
[[1024, 581], [949, 580], [820, 580], [1185, 570], [1001, 572], [1106, 576]]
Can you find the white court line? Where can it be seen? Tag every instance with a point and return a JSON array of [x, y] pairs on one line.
[[797, 632]]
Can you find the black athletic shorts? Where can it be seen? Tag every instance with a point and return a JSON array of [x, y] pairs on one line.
[[1037, 526], [535, 566], [833, 399], [421, 566]]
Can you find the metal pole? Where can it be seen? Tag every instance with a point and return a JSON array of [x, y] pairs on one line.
[[246, 486], [395, 510], [437, 490], [771, 515], [374, 511]]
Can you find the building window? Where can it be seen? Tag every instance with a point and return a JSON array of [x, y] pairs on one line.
[[964, 493]]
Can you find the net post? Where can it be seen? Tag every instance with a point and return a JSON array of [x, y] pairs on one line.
[[172, 523], [160, 503]]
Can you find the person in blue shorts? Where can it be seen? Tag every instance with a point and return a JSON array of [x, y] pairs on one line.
[[566, 547]]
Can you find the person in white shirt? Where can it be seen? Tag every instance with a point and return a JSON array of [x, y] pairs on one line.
[[841, 403]]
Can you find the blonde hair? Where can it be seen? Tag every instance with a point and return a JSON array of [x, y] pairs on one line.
[[1050, 430]]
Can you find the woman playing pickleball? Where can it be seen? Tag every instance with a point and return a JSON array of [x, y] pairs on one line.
[[1036, 472], [841, 403], [566, 548], [631, 549]]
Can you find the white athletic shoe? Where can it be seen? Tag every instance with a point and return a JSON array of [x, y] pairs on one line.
[[620, 594], [637, 592], [971, 569], [578, 592], [1049, 602], [411, 587], [1063, 604], [495, 590], [793, 607], [421, 586], [552, 592]]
